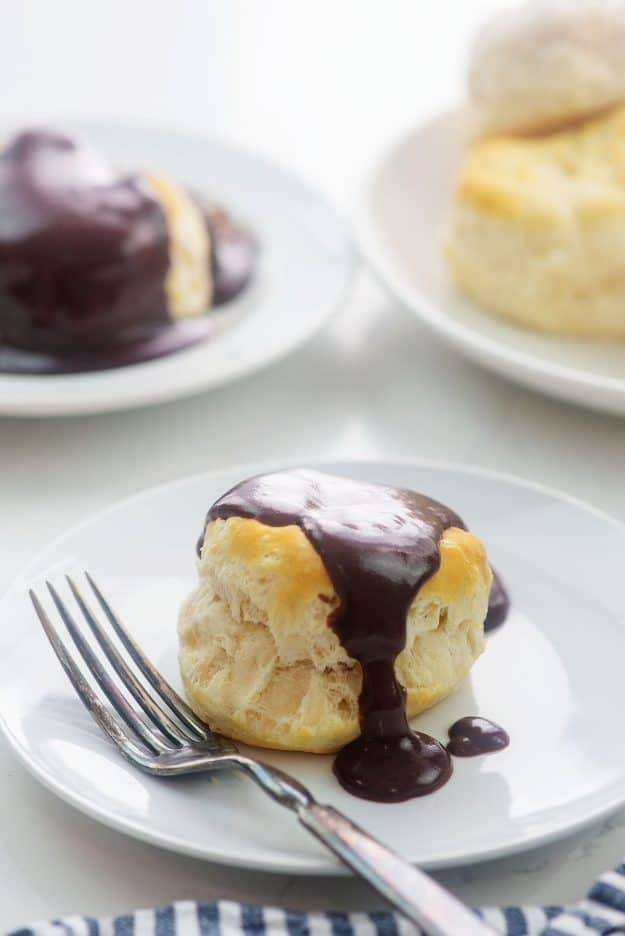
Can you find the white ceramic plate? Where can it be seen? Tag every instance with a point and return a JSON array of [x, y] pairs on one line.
[[403, 217], [304, 267], [552, 676]]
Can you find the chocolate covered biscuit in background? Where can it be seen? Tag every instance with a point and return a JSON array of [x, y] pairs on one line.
[[91, 259]]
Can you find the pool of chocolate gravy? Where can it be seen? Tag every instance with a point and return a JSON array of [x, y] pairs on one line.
[[144, 345], [498, 604], [84, 254], [473, 735], [378, 544]]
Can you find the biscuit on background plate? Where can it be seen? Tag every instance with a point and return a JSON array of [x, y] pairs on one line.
[[538, 229], [547, 63]]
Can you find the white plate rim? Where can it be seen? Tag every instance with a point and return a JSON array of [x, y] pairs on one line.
[[146, 396], [488, 352], [326, 866]]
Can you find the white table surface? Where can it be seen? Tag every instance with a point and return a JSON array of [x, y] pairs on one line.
[[322, 86]]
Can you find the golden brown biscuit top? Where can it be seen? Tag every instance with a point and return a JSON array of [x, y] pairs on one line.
[[287, 557], [579, 171]]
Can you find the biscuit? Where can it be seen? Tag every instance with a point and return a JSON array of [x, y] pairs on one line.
[[261, 663], [541, 65], [538, 229], [188, 283]]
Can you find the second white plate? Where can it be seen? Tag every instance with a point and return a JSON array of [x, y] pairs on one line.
[[552, 676], [403, 217]]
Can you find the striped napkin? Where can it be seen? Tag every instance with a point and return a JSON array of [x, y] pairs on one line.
[[602, 912]]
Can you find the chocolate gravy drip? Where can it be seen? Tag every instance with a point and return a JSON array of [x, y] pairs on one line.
[[83, 252], [378, 544], [473, 735], [498, 604], [233, 252]]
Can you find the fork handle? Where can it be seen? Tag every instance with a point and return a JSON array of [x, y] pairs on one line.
[[410, 891]]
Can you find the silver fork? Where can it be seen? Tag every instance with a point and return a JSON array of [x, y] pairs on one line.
[[162, 736]]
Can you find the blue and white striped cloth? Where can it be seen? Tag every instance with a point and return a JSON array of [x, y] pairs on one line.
[[602, 912]]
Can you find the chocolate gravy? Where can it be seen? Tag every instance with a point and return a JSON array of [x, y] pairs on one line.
[[83, 253], [498, 604], [233, 253], [379, 545], [175, 336], [473, 735]]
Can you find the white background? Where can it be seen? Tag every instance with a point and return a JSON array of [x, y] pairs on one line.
[[323, 86]]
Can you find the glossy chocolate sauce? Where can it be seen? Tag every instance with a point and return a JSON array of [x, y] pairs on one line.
[[473, 735], [378, 544], [172, 337], [233, 253], [83, 252], [83, 258], [498, 604]]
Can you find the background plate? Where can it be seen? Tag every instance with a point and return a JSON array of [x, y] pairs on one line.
[[305, 265], [405, 209], [552, 676]]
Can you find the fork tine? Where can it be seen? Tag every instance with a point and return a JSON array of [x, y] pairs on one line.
[[106, 684], [167, 692], [160, 718], [98, 712]]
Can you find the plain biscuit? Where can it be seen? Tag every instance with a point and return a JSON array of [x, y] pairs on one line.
[[538, 229], [547, 63]]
